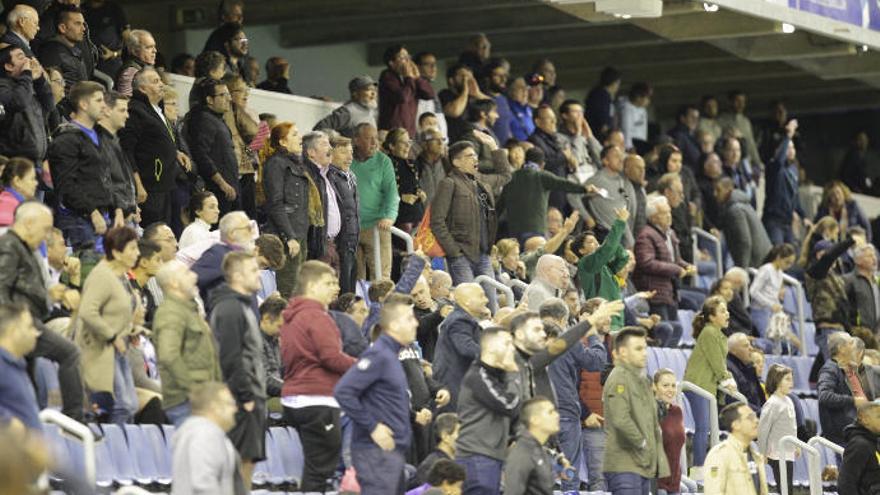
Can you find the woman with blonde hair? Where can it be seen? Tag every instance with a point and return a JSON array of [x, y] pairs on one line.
[[825, 228], [838, 203]]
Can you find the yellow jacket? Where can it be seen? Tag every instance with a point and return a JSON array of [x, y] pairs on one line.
[[726, 470]]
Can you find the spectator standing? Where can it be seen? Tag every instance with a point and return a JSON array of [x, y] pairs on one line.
[[240, 349], [477, 53], [244, 125], [108, 311], [205, 212], [523, 125], [613, 192], [412, 197], [459, 342], [210, 142], [461, 89], [838, 203], [709, 117], [707, 368], [777, 421], [684, 135], [313, 362], [767, 288], [736, 119], [374, 394], [672, 428], [463, 218], [185, 346], [745, 234], [202, 457], [228, 11], [742, 369], [489, 401], [21, 281], [427, 65], [317, 155], [400, 89], [141, 51], [379, 200], [18, 337], [22, 25], [783, 206], [634, 453], [861, 287], [733, 466], [277, 76], [826, 290], [108, 26], [854, 169], [558, 156], [208, 65], [633, 116], [122, 186], [235, 47], [737, 168], [82, 182], [599, 102], [344, 185], [27, 100], [858, 472], [598, 264], [529, 469], [66, 50], [361, 108], [842, 388], [634, 170]]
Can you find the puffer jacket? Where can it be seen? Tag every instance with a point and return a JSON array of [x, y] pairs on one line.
[[26, 103], [82, 181]]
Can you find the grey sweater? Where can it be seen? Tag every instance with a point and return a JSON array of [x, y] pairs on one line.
[[777, 420], [204, 460]]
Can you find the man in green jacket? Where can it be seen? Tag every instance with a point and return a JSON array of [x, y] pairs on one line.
[[634, 452], [526, 196], [184, 342], [599, 263]]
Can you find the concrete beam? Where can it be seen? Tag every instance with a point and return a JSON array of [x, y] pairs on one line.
[[795, 46], [702, 73], [708, 26], [864, 65]]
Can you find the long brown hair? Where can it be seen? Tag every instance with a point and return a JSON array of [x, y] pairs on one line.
[[710, 307], [273, 144]]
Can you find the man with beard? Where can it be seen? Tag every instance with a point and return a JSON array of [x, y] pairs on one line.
[[461, 89], [482, 115]]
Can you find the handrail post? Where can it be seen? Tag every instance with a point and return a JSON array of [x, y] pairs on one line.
[[515, 282], [812, 465], [746, 295], [406, 238], [697, 232], [801, 312], [80, 431], [714, 435], [377, 254], [498, 285], [735, 394]]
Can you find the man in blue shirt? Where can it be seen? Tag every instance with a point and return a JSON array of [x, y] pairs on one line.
[[374, 394], [18, 337]]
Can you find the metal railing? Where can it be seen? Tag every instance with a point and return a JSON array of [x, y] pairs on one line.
[[515, 282], [714, 435], [813, 467], [696, 233], [485, 279], [79, 430], [377, 252], [801, 312], [739, 397]]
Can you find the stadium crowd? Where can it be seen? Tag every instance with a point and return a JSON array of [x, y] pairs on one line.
[[218, 271]]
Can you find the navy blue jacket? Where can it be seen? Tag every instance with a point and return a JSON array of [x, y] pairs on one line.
[[457, 347], [565, 374], [408, 280], [17, 398], [747, 382], [375, 391], [782, 179], [209, 269], [837, 408]]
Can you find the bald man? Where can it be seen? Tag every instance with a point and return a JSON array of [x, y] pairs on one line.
[[459, 341], [441, 285], [634, 170], [551, 278], [22, 25]]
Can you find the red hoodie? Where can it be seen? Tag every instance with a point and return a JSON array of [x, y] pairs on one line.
[[311, 350]]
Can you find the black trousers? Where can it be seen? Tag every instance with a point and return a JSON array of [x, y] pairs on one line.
[[321, 438], [789, 467], [248, 194], [347, 267], [54, 347], [157, 208]]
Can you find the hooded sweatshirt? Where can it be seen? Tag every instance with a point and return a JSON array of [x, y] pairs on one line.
[[311, 349], [860, 469]]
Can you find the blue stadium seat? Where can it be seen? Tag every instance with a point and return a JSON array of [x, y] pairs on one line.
[[161, 450], [801, 366], [652, 366], [688, 415], [57, 448], [686, 318], [811, 410], [122, 457], [801, 473], [292, 456], [145, 462], [273, 459], [105, 471]]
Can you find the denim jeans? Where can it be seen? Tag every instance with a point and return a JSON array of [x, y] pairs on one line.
[[572, 447], [628, 484], [483, 475], [178, 414], [79, 231], [347, 267], [779, 232], [378, 471], [462, 270], [594, 451], [700, 411]]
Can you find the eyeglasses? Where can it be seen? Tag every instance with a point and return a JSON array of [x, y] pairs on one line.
[[223, 95]]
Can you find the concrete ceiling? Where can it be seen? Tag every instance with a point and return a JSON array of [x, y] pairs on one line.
[[684, 54]]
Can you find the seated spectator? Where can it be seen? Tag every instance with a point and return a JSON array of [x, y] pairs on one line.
[[427, 65], [671, 426], [637, 310], [745, 234], [203, 458], [359, 109], [509, 265], [550, 279], [431, 162], [19, 180], [838, 203], [18, 337], [236, 234], [277, 76], [842, 388], [740, 319], [707, 368], [270, 328], [709, 125], [107, 312], [183, 64], [858, 473], [599, 263], [737, 169], [459, 342], [140, 53], [65, 50], [707, 173], [205, 212], [523, 125], [728, 464], [22, 26], [184, 343], [59, 114], [444, 476], [400, 88], [778, 420], [827, 229], [27, 100], [741, 367]]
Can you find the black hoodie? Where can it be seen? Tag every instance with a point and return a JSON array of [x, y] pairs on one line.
[[860, 469], [239, 344]]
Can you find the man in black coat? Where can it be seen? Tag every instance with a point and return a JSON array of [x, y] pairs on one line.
[[210, 143], [860, 469], [842, 389], [67, 50], [739, 363], [22, 25], [121, 180], [558, 157], [344, 183], [26, 99], [149, 142]]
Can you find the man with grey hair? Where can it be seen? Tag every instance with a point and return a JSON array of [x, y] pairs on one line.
[[237, 233], [360, 108], [842, 388], [184, 344], [741, 367], [150, 147], [22, 25], [862, 290], [141, 48], [551, 278], [317, 157], [23, 280]]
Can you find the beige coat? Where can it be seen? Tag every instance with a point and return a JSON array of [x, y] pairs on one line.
[[726, 470], [105, 311]]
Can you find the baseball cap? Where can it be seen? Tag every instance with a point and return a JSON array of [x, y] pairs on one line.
[[361, 82]]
